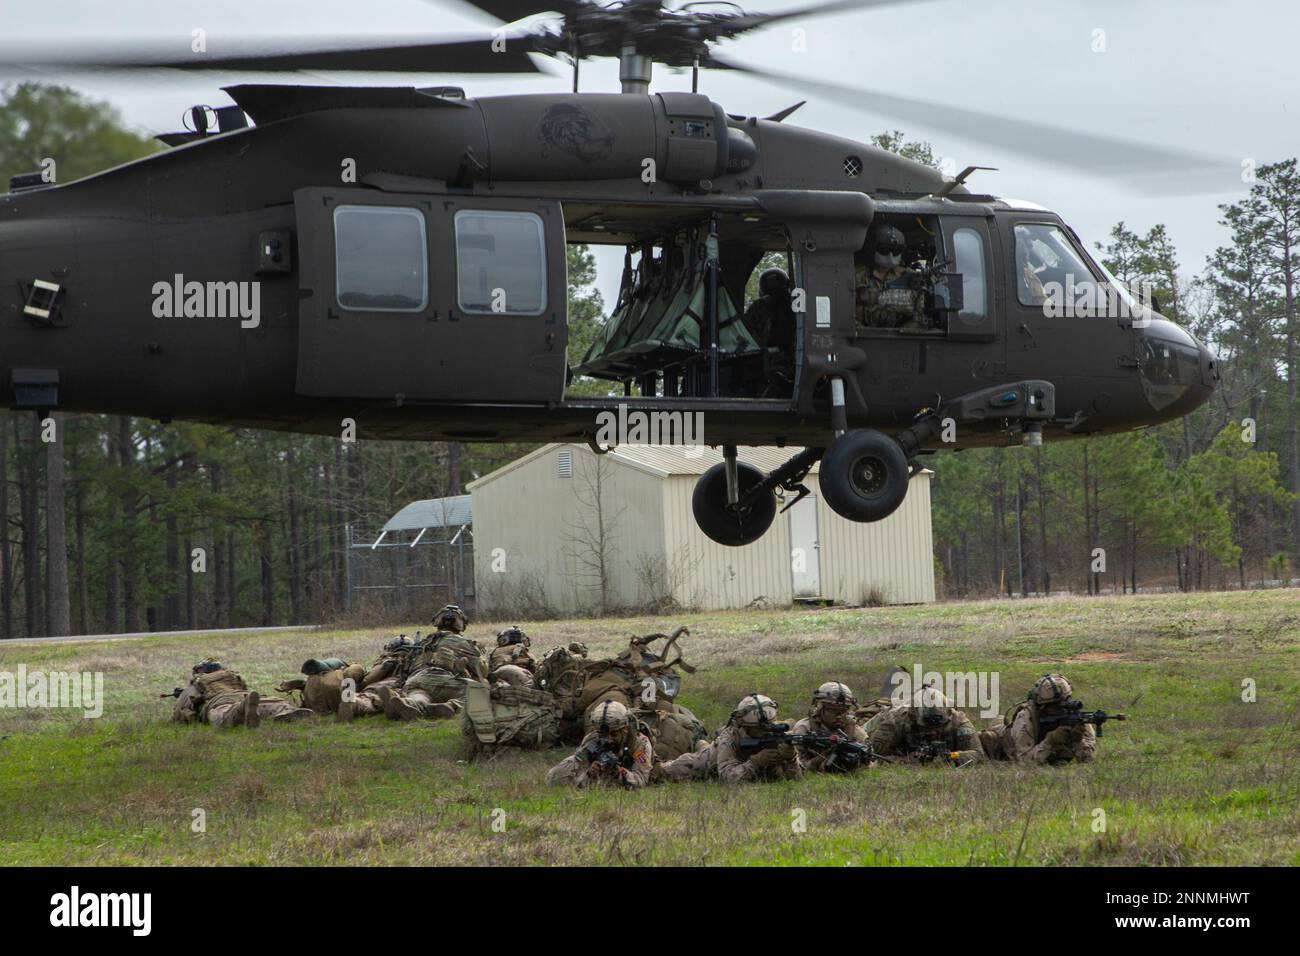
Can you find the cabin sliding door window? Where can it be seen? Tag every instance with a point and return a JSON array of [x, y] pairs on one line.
[[381, 259], [500, 262]]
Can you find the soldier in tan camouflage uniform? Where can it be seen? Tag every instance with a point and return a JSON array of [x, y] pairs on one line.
[[218, 696], [321, 691], [926, 727], [435, 687], [614, 753], [753, 717], [832, 713], [388, 672], [510, 661], [1019, 738]]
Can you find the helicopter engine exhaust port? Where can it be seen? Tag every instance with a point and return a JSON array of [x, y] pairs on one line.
[[864, 475], [739, 524]]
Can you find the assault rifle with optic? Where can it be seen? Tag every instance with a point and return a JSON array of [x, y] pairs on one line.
[[604, 755], [845, 754], [1074, 715]]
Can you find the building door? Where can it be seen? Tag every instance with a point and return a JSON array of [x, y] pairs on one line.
[[805, 550]]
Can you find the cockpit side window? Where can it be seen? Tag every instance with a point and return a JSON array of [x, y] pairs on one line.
[[1050, 273]]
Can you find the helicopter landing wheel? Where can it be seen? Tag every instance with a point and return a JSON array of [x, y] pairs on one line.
[[864, 475], [725, 524]]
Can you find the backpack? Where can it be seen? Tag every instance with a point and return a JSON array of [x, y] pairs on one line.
[[624, 678], [871, 708], [672, 732], [454, 654], [562, 673], [500, 715]]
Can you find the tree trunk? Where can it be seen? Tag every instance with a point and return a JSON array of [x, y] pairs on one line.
[[79, 529], [57, 602], [172, 596], [295, 540], [220, 604], [6, 551], [34, 621], [130, 561]]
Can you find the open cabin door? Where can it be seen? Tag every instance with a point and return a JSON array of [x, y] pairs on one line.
[[426, 297]]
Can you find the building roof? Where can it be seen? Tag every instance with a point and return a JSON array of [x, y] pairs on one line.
[[665, 460], [432, 513]]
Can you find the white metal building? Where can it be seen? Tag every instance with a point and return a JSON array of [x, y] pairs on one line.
[[543, 522]]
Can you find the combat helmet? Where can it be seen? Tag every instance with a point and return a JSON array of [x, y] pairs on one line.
[[933, 706], [755, 710], [513, 635], [608, 717], [1050, 689], [451, 618], [833, 694], [887, 243], [208, 665]]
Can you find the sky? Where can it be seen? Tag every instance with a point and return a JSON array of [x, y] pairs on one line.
[[1197, 75]]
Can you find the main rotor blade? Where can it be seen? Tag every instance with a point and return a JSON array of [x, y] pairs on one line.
[[750, 21], [377, 54], [508, 11], [1145, 167]]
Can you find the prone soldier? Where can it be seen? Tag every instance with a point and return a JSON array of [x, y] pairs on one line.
[[321, 690], [926, 728], [1047, 727], [435, 687], [510, 661], [724, 758], [831, 717], [613, 753], [218, 696]]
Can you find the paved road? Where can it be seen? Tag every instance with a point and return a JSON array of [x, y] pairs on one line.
[[139, 634]]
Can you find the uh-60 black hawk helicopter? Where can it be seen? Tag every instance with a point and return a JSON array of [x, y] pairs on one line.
[[425, 298]]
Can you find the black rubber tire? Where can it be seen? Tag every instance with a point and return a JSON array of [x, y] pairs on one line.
[[864, 475], [709, 502]]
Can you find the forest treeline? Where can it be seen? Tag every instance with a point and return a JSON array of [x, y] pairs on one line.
[[113, 524]]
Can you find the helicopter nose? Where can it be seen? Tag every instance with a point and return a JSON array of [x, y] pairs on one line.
[[1179, 372]]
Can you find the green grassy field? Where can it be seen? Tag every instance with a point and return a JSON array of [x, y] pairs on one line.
[[1196, 776]]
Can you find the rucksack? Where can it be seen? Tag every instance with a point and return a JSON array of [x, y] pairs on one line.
[[638, 677], [500, 715], [673, 731], [562, 673], [454, 654]]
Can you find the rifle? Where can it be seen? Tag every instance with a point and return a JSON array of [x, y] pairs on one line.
[[930, 750], [1074, 716], [176, 692], [846, 754], [604, 755]]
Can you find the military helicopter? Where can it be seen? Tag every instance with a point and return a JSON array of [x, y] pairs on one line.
[[396, 256]]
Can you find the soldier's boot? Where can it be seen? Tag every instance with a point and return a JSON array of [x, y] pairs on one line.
[[443, 711], [347, 709], [251, 717], [383, 695], [298, 713], [398, 707]]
